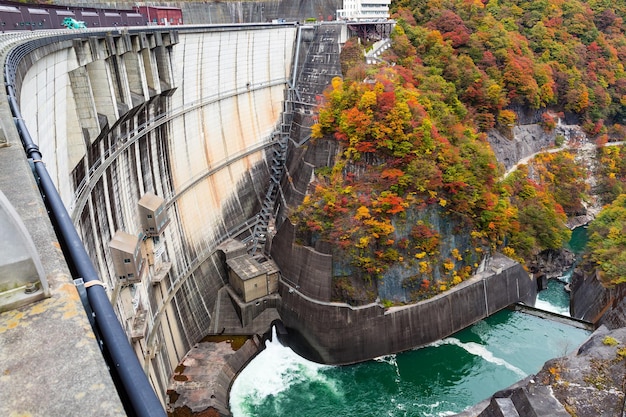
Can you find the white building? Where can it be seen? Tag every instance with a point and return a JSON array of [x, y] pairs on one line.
[[364, 10]]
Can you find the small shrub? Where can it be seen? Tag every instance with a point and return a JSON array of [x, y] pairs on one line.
[[559, 140], [387, 303]]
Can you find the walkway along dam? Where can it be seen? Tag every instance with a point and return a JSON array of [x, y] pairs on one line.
[[176, 154]]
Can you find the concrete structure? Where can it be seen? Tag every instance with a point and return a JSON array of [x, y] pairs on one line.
[[188, 117], [128, 262], [22, 277], [252, 279], [337, 333], [235, 11], [161, 15], [153, 214]]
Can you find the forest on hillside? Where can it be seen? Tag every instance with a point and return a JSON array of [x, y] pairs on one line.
[[416, 183]]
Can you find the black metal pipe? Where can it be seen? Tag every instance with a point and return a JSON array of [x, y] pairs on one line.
[[123, 360]]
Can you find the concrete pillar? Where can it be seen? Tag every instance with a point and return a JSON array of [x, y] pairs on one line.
[[118, 67], [85, 104], [103, 90], [164, 66], [60, 120], [151, 71], [136, 75], [95, 222]]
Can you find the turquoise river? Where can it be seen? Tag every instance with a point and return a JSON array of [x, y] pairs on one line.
[[441, 379]]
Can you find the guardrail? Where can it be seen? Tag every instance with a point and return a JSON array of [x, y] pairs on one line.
[[134, 387]]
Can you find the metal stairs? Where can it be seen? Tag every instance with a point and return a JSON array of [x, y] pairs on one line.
[[277, 169]]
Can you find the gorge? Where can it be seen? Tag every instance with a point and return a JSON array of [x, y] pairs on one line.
[[178, 152]]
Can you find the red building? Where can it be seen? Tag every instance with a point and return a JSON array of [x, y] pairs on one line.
[[161, 15]]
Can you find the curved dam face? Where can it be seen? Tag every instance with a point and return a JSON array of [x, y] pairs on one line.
[[158, 143]]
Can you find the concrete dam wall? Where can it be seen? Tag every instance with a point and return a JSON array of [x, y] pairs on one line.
[[179, 123], [213, 12]]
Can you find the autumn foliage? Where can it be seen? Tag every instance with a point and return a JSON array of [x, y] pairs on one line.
[[612, 170], [415, 183], [607, 243], [407, 163], [565, 54]]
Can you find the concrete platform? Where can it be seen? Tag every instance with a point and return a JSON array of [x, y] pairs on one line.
[[227, 321], [202, 381]]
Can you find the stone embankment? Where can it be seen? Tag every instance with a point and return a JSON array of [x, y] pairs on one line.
[[337, 333]]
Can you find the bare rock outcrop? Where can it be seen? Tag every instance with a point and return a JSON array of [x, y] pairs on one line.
[[526, 141]]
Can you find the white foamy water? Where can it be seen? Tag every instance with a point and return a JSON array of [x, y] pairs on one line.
[[548, 306], [434, 381], [554, 298], [272, 371], [482, 352]]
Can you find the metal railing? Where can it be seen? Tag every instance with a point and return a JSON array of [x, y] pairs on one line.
[[135, 391]]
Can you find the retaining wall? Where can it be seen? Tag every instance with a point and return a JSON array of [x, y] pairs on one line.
[[337, 333]]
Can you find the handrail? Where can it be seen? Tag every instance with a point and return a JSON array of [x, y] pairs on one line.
[[136, 391]]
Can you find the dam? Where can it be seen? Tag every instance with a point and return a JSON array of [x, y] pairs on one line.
[[160, 143], [166, 148]]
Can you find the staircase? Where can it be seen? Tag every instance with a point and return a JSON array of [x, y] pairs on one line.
[[277, 169], [320, 64]]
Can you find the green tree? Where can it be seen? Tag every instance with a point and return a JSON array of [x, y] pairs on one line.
[[607, 242]]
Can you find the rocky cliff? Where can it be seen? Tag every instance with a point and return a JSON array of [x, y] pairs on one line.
[[587, 383], [525, 141]]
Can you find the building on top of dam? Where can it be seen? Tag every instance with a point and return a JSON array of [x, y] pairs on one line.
[[364, 10]]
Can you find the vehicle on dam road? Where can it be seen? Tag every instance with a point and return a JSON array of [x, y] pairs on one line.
[[70, 23]]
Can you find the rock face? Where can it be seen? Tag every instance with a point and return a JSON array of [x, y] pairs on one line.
[[527, 140], [552, 263], [593, 302], [589, 299], [587, 383]]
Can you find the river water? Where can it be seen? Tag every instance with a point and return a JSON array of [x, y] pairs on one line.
[[438, 380], [555, 298]]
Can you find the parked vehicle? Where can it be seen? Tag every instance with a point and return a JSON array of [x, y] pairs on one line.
[[71, 23]]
